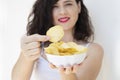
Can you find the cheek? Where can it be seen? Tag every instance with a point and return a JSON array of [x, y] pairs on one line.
[[76, 14], [74, 17]]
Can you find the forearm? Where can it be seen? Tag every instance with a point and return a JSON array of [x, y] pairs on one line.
[[22, 69], [71, 76]]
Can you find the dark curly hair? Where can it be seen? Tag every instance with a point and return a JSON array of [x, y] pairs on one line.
[[42, 20]]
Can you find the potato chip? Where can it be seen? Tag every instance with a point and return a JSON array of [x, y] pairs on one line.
[[56, 33], [51, 50]]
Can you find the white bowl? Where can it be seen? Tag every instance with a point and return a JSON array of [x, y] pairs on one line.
[[66, 60]]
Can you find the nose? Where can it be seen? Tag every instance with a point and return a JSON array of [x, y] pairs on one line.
[[62, 11]]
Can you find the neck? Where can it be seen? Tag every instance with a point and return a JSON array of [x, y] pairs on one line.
[[68, 36]]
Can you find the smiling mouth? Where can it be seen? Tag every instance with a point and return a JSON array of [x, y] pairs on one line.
[[64, 19]]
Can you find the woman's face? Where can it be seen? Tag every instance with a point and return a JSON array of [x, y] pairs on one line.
[[65, 13]]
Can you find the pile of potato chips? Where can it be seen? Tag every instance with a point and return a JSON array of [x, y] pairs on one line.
[[61, 48]]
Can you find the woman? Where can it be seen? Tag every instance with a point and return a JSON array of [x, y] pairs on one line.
[[73, 16]]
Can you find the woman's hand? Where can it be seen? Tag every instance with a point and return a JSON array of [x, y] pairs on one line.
[[69, 72], [66, 70], [30, 46]]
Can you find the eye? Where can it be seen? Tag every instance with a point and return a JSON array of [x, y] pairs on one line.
[[68, 4]]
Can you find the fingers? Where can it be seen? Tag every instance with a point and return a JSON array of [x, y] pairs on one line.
[[75, 68], [52, 66], [65, 70], [33, 38], [30, 45], [32, 52], [69, 69], [61, 69]]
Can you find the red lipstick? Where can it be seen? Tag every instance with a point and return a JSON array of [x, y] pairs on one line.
[[63, 19]]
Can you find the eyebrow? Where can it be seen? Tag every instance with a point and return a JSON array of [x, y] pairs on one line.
[[67, 1]]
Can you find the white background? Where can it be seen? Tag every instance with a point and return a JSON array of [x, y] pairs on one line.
[[13, 19]]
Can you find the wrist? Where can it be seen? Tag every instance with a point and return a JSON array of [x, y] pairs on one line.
[[26, 58]]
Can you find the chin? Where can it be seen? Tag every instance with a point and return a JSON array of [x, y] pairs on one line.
[[68, 28]]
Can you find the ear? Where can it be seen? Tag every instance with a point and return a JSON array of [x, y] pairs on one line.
[[79, 7]]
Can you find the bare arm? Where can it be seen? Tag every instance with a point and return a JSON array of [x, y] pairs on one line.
[[22, 69], [90, 68]]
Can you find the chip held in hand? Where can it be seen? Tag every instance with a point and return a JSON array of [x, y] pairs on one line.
[[56, 33]]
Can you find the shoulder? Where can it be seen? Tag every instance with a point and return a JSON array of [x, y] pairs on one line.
[[95, 49], [95, 46]]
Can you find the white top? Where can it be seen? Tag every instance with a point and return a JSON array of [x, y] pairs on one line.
[[45, 72]]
